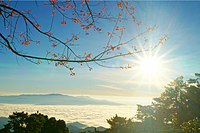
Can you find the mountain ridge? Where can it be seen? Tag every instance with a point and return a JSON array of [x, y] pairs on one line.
[[52, 99]]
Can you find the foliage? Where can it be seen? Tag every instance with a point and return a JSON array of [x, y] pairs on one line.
[[177, 105], [120, 125], [21, 122], [22, 28], [176, 110], [192, 126]]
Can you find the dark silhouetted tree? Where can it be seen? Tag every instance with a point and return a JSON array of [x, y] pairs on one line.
[[54, 126], [20, 122], [120, 125]]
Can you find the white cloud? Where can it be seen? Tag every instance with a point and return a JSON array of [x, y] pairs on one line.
[[110, 87]]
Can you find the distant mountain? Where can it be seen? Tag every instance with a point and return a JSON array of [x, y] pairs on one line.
[[92, 129], [3, 121], [77, 127], [77, 124], [52, 99], [74, 129]]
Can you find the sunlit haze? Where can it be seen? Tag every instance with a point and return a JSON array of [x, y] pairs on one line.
[[121, 58]]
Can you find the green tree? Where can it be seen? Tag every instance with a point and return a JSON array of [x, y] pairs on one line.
[[54, 126], [21, 122], [178, 104], [17, 122], [192, 126], [35, 122], [120, 125]]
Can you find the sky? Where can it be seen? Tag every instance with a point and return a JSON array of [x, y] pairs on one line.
[[178, 56]]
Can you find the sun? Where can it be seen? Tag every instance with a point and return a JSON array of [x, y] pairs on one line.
[[150, 71], [150, 66]]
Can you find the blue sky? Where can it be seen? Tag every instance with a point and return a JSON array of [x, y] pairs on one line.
[[180, 20]]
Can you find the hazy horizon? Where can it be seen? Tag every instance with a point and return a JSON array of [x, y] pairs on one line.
[[115, 99], [108, 57]]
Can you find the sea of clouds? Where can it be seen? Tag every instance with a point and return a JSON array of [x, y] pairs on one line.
[[90, 115]]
